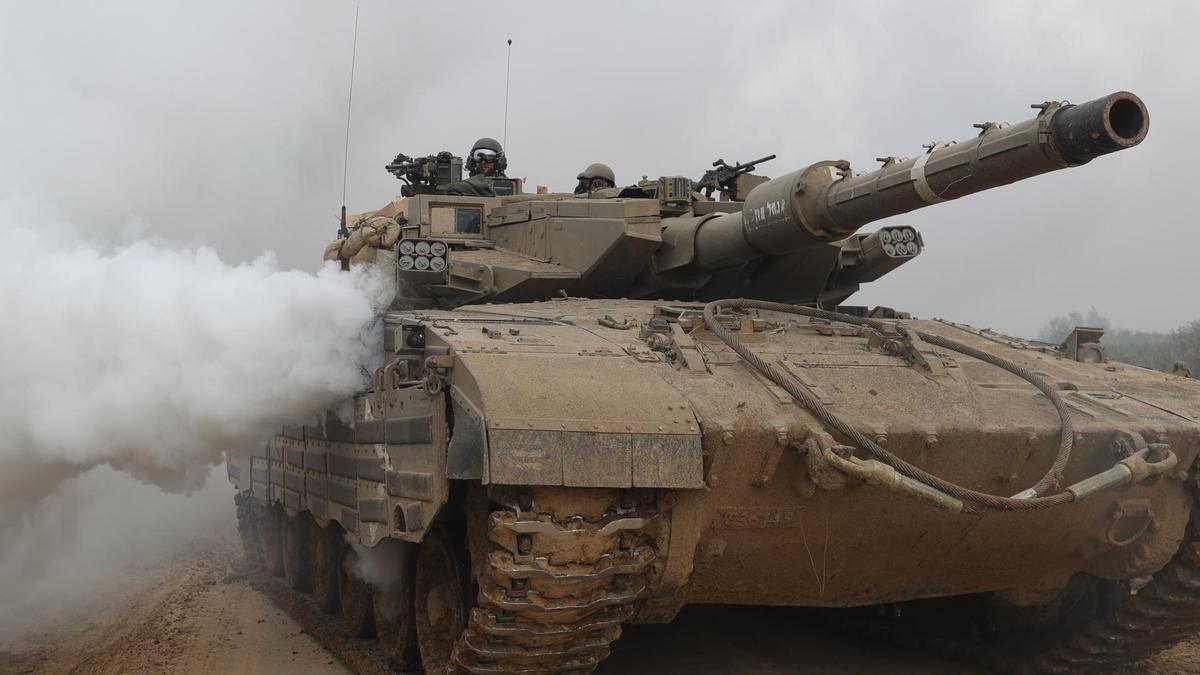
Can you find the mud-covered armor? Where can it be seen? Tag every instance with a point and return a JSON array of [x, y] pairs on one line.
[[576, 427]]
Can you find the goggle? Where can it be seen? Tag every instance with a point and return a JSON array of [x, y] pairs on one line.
[[484, 156]]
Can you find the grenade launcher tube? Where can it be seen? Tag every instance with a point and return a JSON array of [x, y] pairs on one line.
[[827, 202]]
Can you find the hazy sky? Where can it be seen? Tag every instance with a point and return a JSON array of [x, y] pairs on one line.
[[222, 122]]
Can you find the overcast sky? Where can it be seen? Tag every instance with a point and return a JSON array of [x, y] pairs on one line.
[[222, 123]]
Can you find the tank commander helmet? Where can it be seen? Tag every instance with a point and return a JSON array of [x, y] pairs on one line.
[[487, 158], [596, 176]]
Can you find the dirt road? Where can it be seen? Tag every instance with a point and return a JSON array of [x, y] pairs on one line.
[[196, 613]]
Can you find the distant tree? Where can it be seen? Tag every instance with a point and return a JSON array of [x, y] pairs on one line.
[[1060, 327], [1159, 351]]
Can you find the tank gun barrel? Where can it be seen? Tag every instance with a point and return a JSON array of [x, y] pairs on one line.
[[827, 201]]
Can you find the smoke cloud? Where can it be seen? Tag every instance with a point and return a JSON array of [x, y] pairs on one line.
[[154, 359]]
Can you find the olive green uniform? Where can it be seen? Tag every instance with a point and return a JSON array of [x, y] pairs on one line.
[[477, 186]]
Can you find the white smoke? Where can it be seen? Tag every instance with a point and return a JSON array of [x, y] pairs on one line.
[[385, 567], [153, 359]]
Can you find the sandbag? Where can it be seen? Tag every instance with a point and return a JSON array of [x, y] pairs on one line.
[[333, 249]]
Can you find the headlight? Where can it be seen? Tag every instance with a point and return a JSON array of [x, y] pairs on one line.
[[407, 247]]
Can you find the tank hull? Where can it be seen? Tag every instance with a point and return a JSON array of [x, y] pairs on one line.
[[552, 394]]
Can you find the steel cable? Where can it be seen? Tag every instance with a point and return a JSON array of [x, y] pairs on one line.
[[1052, 480]]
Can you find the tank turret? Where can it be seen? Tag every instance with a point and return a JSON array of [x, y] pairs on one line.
[[794, 238]]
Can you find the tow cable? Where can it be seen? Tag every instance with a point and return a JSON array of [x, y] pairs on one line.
[[891, 472]]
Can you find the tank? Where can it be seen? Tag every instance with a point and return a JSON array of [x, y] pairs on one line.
[[598, 408]]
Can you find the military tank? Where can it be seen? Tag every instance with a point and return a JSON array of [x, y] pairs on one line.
[[598, 408]]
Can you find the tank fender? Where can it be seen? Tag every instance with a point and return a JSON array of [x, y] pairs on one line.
[[581, 420]]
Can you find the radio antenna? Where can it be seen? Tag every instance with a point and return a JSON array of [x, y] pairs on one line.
[[342, 231], [507, 69]]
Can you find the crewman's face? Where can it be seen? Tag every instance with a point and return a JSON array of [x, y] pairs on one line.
[[487, 165]]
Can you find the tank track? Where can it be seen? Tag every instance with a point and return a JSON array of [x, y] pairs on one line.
[[1161, 613], [361, 657], [553, 592]]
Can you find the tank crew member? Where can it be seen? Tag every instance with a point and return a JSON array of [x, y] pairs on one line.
[[596, 176], [486, 160]]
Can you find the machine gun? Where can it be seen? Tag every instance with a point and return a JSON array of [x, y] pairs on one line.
[[724, 177], [424, 175]]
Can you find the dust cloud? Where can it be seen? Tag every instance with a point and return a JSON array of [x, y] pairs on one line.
[[149, 360]]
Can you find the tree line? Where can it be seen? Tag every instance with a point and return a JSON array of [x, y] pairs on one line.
[[1159, 351]]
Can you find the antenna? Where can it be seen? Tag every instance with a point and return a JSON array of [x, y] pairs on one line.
[[342, 231], [507, 69]]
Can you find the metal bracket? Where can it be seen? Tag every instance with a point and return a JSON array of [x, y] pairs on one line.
[[685, 350], [1128, 521], [910, 347]]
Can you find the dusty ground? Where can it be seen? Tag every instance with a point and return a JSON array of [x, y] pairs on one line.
[[192, 614], [196, 613]]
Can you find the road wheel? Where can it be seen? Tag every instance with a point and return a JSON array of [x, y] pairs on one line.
[[271, 540], [355, 594], [324, 544], [442, 602], [297, 559], [395, 622]]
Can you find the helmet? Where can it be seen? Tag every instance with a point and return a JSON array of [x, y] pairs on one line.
[[483, 147], [596, 177], [598, 170]]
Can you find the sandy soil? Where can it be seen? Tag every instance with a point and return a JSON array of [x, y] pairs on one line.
[[196, 613], [193, 614]]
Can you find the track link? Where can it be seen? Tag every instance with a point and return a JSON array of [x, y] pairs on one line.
[[554, 591]]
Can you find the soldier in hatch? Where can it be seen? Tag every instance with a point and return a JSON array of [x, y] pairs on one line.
[[596, 177], [486, 160]]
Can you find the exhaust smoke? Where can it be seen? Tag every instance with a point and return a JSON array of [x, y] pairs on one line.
[[153, 359]]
